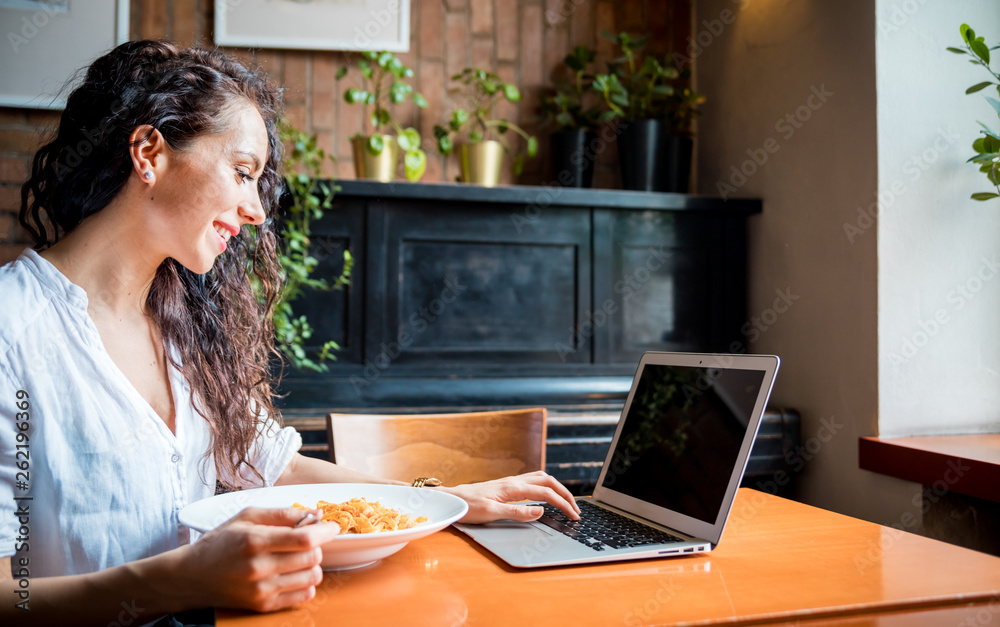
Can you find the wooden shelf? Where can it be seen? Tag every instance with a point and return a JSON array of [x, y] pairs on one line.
[[547, 197], [966, 464]]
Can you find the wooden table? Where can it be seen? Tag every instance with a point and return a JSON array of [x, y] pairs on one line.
[[967, 464], [778, 561]]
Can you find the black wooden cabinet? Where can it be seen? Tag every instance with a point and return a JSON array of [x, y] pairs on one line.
[[465, 296]]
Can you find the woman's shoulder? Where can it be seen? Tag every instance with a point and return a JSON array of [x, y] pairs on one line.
[[24, 296]]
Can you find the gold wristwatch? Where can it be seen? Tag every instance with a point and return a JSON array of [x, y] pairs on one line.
[[426, 482]]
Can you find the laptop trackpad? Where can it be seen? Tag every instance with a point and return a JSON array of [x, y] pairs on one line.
[[521, 526]]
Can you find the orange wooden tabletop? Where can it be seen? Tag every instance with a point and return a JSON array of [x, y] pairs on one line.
[[967, 464], [972, 615], [778, 561]]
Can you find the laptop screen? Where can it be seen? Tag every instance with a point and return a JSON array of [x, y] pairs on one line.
[[682, 435]]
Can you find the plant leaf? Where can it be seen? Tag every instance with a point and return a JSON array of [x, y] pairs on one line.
[[967, 33], [955, 50], [988, 131], [445, 145], [409, 139], [994, 103], [342, 72], [511, 93], [983, 157], [532, 146], [375, 145], [978, 87], [420, 101], [984, 196], [981, 50], [414, 164]]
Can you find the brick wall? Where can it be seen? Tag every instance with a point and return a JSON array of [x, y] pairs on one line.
[[521, 40]]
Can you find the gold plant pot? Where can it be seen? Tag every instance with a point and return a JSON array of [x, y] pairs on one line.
[[482, 162], [380, 167]]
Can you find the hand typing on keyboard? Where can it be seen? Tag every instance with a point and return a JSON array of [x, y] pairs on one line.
[[603, 529]]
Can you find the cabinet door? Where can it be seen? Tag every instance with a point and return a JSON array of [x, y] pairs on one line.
[[470, 284], [337, 314], [667, 281]]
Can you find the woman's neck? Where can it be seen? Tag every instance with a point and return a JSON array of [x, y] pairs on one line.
[[109, 257]]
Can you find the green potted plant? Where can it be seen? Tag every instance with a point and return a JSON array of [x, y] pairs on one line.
[[485, 142], [655, 106], [307, 196], [576, 122], [376, 151], [987, 147]]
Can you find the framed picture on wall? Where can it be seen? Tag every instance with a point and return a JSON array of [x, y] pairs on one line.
[[48, 41], [314, 24]]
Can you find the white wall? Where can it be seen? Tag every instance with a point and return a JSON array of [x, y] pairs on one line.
[[938, 251], [764, 66]]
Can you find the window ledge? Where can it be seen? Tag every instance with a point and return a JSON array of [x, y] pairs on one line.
[[966, 464]]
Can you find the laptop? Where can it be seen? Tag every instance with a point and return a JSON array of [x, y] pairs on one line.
[[671, 473]]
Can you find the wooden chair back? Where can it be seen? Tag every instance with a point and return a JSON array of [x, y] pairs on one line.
[[456, 448]]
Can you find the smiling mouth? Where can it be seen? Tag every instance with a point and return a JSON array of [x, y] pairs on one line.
[[224, 231]]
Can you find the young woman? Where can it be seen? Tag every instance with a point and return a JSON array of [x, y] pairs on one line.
[[133, 356]]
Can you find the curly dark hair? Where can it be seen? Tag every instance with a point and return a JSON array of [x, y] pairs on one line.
[[219, 323]]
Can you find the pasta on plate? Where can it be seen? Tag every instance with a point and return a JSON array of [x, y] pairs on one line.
[[359, 516]]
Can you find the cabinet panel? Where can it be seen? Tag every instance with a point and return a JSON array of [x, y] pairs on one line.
[[470, 287], [337, 314], [660, 282], [459, 296]]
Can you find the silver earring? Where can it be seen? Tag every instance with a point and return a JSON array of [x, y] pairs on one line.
[[148, 174]]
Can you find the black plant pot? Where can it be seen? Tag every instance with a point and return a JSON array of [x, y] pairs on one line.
[[572, 158], [652, 159]]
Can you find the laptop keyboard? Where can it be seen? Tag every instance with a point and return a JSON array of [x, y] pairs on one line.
[[603, 529]]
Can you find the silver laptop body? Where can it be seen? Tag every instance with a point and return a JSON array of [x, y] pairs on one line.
[[674, 464]]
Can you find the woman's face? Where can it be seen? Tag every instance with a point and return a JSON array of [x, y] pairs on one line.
[[209, 191]]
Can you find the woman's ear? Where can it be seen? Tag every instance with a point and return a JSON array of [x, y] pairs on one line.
[[147, 147]]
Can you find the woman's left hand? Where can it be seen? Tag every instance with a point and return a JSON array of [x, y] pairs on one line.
[[492, 500]]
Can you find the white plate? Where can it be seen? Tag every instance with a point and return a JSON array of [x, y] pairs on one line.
[[347, 550]]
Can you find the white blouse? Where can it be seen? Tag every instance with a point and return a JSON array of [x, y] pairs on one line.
[[101, 475]]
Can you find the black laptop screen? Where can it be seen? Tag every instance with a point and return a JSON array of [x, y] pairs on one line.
[[681, 437]]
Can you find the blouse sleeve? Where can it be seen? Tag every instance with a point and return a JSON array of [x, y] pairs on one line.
[[273, 449]]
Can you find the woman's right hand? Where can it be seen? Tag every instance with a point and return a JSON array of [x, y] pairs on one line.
[[258, 560]]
